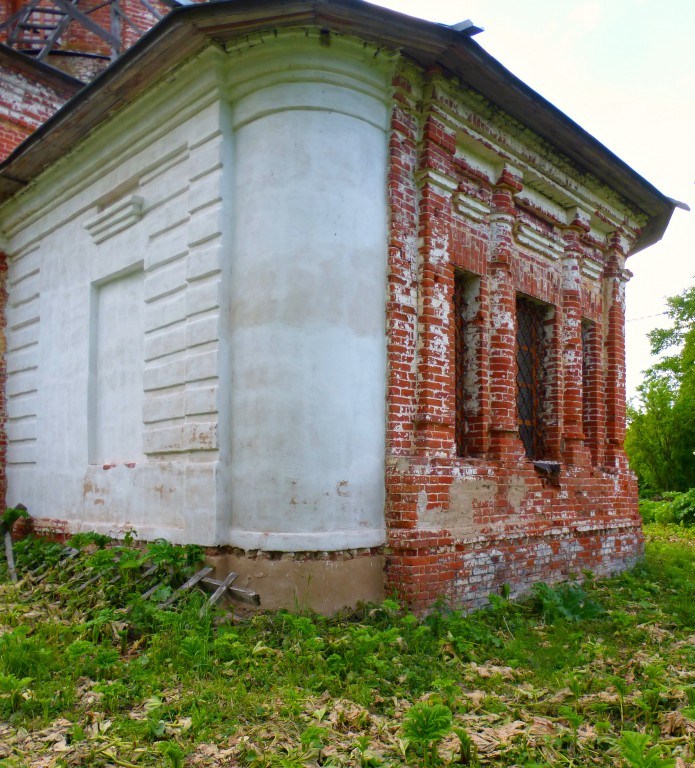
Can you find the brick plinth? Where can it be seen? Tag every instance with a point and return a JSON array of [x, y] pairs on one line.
[[483, 524]]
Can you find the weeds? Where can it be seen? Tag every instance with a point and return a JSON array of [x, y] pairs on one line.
[[566, 601], [425, 726], [598, 673], [633, 749], [13, 690]]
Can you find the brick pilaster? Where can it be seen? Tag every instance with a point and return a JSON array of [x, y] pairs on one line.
[[504, 441], [572, 354], [434, 418], [435, 399], [616, 277]]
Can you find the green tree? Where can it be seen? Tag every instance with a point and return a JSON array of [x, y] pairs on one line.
[[660, 438]]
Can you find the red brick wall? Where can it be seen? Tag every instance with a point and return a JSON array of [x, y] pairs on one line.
[[77, 39], [459, 527], [27, 99]]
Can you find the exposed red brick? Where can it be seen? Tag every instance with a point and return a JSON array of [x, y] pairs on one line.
[[584, 519]]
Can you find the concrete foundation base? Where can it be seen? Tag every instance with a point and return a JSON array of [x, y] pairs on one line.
[[321, 582]]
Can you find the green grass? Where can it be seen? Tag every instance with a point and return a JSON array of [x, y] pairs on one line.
[[600, 674]]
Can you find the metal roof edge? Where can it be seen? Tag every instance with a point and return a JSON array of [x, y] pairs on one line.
[[188, 28], [47, 70]]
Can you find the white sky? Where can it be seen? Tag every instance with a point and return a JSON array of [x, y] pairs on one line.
[[625, 71]]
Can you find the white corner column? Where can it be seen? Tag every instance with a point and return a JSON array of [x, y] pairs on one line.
[[308, 283]]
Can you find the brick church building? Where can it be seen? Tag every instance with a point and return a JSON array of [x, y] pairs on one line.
[[322, 287]]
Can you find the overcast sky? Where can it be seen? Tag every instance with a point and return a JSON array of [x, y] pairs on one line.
[[625, 71]]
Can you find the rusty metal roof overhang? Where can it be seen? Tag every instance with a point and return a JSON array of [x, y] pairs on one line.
[[188, 29], [38, 69]]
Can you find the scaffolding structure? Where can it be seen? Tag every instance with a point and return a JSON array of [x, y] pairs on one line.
[[39, 28]]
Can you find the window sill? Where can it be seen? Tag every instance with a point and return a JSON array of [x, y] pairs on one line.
[[550, 469]]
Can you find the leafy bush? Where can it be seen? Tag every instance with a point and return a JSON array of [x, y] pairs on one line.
[[10, 516], [653, 511], [566, 601], [670, 508], [683, 507]]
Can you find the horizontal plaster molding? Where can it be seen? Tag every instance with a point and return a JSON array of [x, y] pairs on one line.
[[116, 218], [165, 108], [145, 531], [592, 269], [539, 243], [318, 541], [471, 208], [164, 163], [553, 530], [284, 74]]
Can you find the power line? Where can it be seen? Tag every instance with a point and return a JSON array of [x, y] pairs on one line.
[[646, 317]]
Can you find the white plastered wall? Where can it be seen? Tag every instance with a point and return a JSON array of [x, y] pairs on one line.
[[308, 350], [113, 322], [244, 199]]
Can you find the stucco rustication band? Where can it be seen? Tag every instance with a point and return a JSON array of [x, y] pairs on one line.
[[469, 513]]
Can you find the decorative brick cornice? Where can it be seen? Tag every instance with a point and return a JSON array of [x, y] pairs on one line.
[[591, 268], [579, 219], [510, 178], [471, 208], [442, 183], [539, 242]]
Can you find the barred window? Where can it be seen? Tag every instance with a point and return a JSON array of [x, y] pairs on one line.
[[466, 297], [532, 350]]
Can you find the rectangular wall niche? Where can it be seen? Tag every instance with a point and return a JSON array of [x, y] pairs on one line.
[[116, 369]]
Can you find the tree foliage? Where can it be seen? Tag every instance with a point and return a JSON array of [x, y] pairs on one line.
[[661, 434]]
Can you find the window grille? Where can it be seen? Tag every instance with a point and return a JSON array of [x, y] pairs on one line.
[[531, 379], [466, 289]]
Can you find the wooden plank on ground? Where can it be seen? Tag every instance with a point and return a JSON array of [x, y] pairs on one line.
[[152, 590], [217, 594], [83, 585], [69, 554], [202, 573], [245, 595], [9, 554]]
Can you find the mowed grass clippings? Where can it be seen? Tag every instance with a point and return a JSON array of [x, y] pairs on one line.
[[600, 673]]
